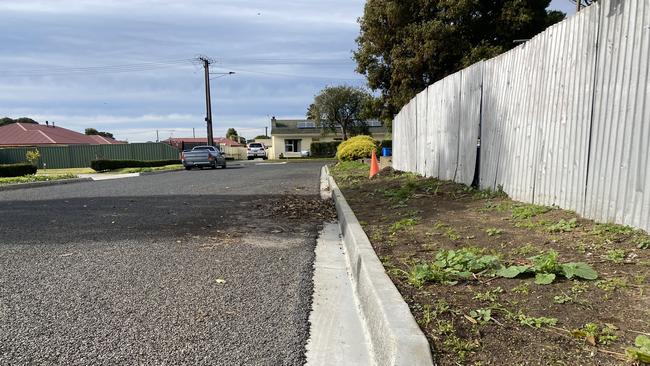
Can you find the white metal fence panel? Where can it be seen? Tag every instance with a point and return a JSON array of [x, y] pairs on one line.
[[410, 136], [423, 151], [567, 53], [619, 183], [470, 122], [398, 155], [434, 111], [449, 123]]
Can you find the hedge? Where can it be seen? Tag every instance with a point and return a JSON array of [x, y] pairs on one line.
[[16, 170], [357, 147], [324, 149], [103, 165]]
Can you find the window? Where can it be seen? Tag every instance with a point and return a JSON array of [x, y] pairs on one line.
[[292, 145]]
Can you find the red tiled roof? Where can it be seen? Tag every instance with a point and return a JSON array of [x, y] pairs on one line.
[[28, 134], [178, 141]]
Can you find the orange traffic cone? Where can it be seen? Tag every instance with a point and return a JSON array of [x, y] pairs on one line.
[[374, 165]]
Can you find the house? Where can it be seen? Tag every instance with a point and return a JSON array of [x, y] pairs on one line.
[[293, 138], [32, 134]]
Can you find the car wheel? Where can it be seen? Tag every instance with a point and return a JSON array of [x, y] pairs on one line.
[[223, 166], [188, 168]]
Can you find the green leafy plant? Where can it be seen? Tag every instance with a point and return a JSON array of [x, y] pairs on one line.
[[488, 296], [493, 231], [563, 226], [641, 352], [535, 322], [523, 212], [615, 255], [452, 234], [523, 289], [403, 224], [451, 266], [643, 242], [611, 284], [481, 316], [594, 334], [546, 268]]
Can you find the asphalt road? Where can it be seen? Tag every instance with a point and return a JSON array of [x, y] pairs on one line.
[[210, 267]]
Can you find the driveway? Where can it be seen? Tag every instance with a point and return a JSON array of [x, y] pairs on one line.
[[209, 267]]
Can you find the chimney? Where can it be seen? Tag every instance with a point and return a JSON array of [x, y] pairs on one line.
[[47, 123]]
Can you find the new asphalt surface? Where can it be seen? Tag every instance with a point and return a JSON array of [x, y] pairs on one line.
[[210, 267]]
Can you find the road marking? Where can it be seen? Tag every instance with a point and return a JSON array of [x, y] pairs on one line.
[[271, 163]]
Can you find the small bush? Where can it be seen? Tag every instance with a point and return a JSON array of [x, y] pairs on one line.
[[103, 165], [17, 170], [324, 149], [357, 147]]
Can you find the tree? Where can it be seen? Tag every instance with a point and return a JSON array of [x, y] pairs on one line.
[[261, 137], [8, 121], [342, 107], [406, 45], [92, 131], [232, 134]]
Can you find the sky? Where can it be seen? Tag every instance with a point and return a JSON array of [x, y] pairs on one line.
[[129, 66]]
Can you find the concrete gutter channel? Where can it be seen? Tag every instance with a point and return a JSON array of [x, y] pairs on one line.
[[392, 334]]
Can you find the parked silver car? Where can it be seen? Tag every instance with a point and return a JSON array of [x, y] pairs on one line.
[[203, 156], [256, 150]]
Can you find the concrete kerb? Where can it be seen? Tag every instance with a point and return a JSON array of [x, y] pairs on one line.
[[395, 337], [11, 187]]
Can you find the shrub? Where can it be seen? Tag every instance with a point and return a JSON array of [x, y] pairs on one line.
[[386, 143], [32, 156], [17, 170], [324, 149], [103, 165], [357, 147]]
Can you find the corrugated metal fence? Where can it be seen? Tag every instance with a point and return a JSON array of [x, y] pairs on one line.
[[80, 156], [563, 119]]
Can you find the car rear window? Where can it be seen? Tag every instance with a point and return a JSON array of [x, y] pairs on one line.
[[199, 148], [255, 145]]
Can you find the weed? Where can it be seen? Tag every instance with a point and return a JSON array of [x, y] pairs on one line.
[[526, 249], [612, 284], [593, 335], [641, 352], [452, 265], [496, 207], [523, 289], [402, 193], [445, 327], [403, 224], [452, 234], [642, 242], [481, 316], [533, 322], [427, 314], [563, 226], [488, 296], [601, 229], [493, 231], [546, 268], [615, 255], [460, 347], [562, 299], [523, 212]]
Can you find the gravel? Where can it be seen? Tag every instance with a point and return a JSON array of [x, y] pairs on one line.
[[195, 268]]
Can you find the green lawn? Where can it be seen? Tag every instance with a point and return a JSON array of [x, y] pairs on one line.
[[146, 170], [35, 178], [54, 172]]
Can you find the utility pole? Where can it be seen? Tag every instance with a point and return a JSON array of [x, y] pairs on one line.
[[578, 5], [157, 136], [208, 104], [193, 133], [266, 131]]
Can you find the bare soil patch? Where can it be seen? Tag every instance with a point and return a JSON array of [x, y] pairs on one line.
[[482, 318]]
